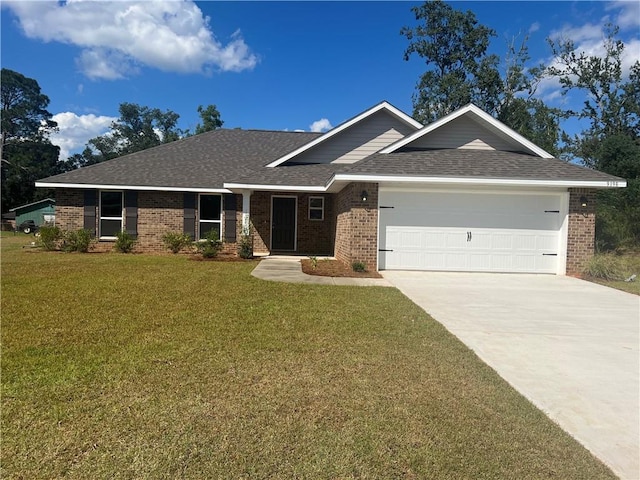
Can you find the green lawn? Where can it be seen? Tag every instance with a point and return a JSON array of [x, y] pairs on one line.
[[135, 366]]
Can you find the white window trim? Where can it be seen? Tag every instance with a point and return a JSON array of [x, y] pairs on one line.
[[219, 222], [100, 217], [321, 208]]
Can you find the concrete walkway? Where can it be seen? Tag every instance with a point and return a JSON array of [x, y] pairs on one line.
[[571, 347], [289, 270]]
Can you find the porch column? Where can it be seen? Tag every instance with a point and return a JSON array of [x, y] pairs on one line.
[[246, 210]]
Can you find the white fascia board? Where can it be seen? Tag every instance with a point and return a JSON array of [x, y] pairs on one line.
[[481, 181], [383, 105], [479, 113], [130, 187], [274, 188]]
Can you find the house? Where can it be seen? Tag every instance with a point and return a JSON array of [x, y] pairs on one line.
[[40, 212], [465, 193]]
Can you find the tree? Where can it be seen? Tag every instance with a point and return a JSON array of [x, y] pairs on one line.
[[138, 128], [454, 46], [611, 140], [25, 150], [460, 71], [210, 119]]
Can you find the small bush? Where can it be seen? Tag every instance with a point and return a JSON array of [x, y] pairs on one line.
[[606, 266], [245, 246], [314, 262], [176, 241], [124, 242], [211, 245], [49, 237], [77, 241], [359, 267]]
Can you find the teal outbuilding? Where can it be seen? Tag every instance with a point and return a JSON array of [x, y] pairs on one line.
[[41, 212]]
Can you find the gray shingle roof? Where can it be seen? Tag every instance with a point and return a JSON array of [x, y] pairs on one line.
[[202, 161], [209, 160], [460, 163]]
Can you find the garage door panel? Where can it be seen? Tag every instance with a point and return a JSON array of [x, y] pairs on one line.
[[469, 232]]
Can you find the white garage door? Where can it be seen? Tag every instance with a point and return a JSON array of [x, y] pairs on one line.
[[473, 232]]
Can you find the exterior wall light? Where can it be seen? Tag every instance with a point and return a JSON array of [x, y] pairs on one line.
[[364, 195], [583, 201]]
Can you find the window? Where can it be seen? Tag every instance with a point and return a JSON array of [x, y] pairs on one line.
[[210, 212], [110, 213], [316, 208]]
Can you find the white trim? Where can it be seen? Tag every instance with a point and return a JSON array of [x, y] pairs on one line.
[[469, 109], [479, 181], [273, 188], [315, 208], [100, 217], [381, 106], [563, 235], [130, 187], [246, 211], [295, 226], [219, 222]]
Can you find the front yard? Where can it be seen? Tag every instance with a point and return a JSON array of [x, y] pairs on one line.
[[136, 366]]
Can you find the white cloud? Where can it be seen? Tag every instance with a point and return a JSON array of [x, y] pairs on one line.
[[321, 125], [534, 27], [118, 37], [76, 130], [589, 39]]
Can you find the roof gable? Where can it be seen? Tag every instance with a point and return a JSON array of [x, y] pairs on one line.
[[468, 127], [367, 115]]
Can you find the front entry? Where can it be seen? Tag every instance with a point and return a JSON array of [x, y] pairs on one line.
[[283, 223]]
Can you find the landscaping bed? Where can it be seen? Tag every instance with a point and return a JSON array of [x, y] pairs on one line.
[[334, 268]]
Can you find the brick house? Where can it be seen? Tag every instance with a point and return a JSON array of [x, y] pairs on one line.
[[465, 193]]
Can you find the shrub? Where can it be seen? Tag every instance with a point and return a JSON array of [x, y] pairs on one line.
[[359, 267], [606, 266], [211, 245], [77, 241], [245, 245], [49, 237], [176, 241], [124, 242], [314, 262]]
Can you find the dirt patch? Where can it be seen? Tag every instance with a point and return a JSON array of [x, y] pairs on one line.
[[334, 268]]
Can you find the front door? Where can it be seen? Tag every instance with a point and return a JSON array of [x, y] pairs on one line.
[[283, 223]]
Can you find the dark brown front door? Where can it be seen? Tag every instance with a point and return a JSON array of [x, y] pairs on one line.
[[283, 223]]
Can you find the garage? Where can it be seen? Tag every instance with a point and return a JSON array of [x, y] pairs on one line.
[[471, 231]]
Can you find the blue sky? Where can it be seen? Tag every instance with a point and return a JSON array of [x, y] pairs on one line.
[[266, 65]]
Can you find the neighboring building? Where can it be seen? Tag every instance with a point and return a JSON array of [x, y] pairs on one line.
[[465, 193], [41, 212]]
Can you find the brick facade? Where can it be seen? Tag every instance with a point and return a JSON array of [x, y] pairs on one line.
[[349, 230], [581, 230], [356, 230], [314, 237]]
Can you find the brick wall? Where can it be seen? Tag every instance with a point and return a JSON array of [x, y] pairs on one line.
[[356, 228], [581, 229], [314, 237], [158, 213]]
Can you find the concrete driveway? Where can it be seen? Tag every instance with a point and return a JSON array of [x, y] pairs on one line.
[[571, 347]]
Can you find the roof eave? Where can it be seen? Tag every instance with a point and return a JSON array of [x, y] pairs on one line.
[[156, 188], [466, 181]]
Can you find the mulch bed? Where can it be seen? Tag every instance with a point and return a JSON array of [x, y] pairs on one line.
[[334, 268], [221, 257]]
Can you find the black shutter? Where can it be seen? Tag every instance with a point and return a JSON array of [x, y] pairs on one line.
[[190, 214], [131, 212], [90, 202], [229, 217]]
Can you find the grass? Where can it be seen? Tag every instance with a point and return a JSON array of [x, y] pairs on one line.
[[135, 366], [612, 269]]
